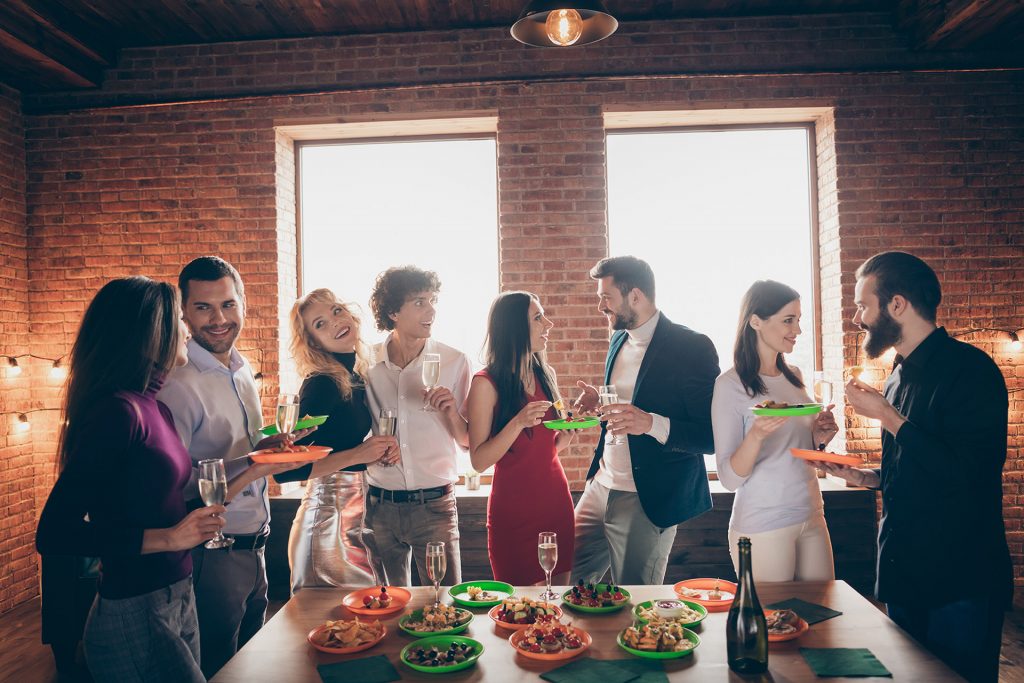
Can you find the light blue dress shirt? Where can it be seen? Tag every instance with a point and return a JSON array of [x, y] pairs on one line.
[[217, 414]]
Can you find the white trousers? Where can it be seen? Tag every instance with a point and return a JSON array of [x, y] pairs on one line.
[[802, 552]]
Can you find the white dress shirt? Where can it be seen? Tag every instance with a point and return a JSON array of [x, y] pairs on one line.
[[616, 470], [217, 413], [428, 450]]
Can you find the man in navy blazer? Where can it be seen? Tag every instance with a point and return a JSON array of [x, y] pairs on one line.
[[641, 486]]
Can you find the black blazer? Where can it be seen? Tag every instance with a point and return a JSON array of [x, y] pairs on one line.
[[676, 380]]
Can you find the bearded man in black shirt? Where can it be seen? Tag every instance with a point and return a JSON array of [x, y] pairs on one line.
[[944, 569]]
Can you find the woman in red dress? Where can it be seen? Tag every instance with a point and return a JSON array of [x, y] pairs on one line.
[[507, 403]]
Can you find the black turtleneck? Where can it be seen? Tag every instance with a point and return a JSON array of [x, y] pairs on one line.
[[348, 422]]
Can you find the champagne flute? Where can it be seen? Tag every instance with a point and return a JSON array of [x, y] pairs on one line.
[[822, 394], [608, 395], [431, 375], [213, 489], [387, 425], [547, 553], [437, 564], [287, 413]]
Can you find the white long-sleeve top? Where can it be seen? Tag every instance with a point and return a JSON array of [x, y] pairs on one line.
[[781, 490]]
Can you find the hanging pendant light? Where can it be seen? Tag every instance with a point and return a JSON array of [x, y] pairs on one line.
[[550, 23]]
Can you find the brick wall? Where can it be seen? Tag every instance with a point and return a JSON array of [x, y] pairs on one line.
[[17, 482], [923, 159]]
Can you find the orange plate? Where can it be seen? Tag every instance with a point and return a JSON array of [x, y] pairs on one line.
[[272, 455], [493, 614], [518, 636], [708, 584], [802, 627], [343, 650], [826, 456], [354, 601]]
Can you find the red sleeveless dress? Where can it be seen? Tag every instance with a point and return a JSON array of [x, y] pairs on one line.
[[529, 494]]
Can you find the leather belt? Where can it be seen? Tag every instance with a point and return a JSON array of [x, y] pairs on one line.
[[417, 496], [252, 542]]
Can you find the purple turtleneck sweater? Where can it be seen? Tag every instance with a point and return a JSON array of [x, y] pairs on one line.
[[127, 470]]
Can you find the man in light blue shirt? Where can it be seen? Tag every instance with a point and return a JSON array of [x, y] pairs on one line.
[[216, 408]]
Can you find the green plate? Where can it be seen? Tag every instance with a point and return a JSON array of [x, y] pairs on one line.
[[696, 607], [458, 593], [442, 643], [418, 614], [314, 421], [585, 423], [596, 610], [648, 654], [791, 411]]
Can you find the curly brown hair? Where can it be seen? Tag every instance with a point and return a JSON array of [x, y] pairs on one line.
[[394, 287]]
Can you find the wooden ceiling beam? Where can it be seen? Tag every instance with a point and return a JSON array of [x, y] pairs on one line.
[[51, 51], [955, 24]]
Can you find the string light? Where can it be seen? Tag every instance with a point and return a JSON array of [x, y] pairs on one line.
[[1015, 343], [1013, 336], [23, 423], [13, 369], [59, 370]]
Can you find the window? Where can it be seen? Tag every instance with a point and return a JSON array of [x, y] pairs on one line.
[[712, 211]]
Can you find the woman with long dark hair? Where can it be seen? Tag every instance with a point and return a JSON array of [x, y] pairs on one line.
[[120, 495], [778, 503], [325, 546], [507, 402]]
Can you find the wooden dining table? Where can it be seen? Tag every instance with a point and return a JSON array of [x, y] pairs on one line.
[[280, 651]]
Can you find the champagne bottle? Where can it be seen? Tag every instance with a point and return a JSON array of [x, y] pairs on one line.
[[746, 632]]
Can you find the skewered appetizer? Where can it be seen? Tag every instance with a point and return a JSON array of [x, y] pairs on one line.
[[523, 611], [456, 653], [438, 618], [380, 601], [549, 636], [657, 637], [595, 595]]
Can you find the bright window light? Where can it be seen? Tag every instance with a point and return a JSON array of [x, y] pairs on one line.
[[712, 212]]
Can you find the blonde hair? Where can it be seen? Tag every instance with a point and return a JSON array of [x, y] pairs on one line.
[[310, 358]]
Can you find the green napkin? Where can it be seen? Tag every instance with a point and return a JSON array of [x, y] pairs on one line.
[[592, 671], [808, 611], [647, 671], [843, 661], [366, 670]]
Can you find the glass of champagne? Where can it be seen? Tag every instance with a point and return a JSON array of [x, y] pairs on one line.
[[431, 375], [822, 389], [287, 413], [607, 395], [547, 553], [213, 489], [437, 565], [387, 425]]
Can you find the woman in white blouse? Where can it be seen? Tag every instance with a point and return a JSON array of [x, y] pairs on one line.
[[778, 503]]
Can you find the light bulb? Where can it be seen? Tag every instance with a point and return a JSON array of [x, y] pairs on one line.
[[58, 371], [23, 423], [1015, 342], [564, 26], [13, 369]]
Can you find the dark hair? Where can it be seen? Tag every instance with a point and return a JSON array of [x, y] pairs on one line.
[[128, 335], [897, 272], [627, 272], [509, 358], [393, 288], [208, 269], [764, 299]]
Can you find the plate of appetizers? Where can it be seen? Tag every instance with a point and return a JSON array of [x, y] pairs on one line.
[[296, 454], [306, 422], [436, 620], [518, 613], [550, 640], [825, 456], [684, 612], [714, 594], [777, 409], [596, 597], [658, 641], [344, 637], [441, 654], [481, 593], [379, 601], [784, 624]]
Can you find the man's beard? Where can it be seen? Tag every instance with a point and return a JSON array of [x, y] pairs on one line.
[[220, 346], [883, 334], [625, 319]]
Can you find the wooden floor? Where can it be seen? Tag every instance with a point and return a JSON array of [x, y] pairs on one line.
[[25, 660]]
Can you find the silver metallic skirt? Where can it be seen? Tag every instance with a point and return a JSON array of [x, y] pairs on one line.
[[325, 546]]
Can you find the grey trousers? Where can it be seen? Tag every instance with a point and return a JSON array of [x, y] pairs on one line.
[[149, 637], [398, 532], [231, 601], [613, 532]]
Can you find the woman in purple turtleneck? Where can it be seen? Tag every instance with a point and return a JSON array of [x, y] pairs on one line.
[[123, 465]]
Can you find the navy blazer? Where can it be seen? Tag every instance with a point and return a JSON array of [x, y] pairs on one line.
[[676, 380]]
